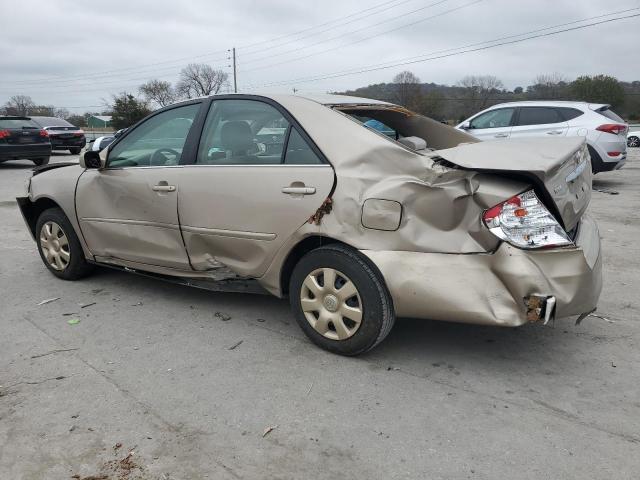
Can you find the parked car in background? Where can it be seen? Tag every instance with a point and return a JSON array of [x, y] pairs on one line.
[[633, 139], [22, 139], [63, 135], [603, 129], [352, 225]]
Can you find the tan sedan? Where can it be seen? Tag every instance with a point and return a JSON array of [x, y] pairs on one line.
[[357, 210]]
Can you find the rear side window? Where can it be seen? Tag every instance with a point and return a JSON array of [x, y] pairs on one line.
[[569, 113], [17, 123], [538, 116], [493, 119], [610, 114], [299, 152]]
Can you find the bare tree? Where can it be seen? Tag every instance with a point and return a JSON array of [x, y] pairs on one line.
[[478, 90], [549, 86], [406, 88], [199, 80], [19, 105], [158, 92], [61, 113]]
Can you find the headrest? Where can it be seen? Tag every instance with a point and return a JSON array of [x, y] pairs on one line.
[[414, 143], [236, 136]]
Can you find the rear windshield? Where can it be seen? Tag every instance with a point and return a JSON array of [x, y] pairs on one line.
[[52, 122], [17, 123], [610, 114]]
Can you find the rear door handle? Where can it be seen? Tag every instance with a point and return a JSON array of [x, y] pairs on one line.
[[163, 188], [299, 190], [501, 135]]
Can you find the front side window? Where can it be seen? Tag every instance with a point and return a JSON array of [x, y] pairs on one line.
[[493, 119], [538, 116], [158, 141]]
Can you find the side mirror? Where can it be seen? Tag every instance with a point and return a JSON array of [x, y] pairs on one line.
[[466, 126], [91, 159]]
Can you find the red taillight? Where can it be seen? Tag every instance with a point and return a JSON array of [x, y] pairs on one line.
[[44, 133], [614, 128], [79, 133], [613, 154], [4, 134]]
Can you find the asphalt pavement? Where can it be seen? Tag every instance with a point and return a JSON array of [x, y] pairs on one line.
[[158, 381]]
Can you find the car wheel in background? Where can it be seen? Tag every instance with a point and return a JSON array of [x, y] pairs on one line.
[[633, 141], [40, 161], [75, 151], [59, 246], [340, 300]]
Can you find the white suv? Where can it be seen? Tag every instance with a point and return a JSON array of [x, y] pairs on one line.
[[605, 131]]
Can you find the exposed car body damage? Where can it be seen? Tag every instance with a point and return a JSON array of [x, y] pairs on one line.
[[417, 216]]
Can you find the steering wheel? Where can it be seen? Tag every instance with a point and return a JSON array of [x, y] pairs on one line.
[[159, 158]]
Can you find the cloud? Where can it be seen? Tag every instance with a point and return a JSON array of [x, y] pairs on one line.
[[46, 52]]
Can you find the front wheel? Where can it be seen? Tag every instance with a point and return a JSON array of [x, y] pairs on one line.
[[59, 246], [633, 141], [40, 161], [340, 301]]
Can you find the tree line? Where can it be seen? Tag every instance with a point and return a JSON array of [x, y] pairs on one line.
[[450, 103], [473, 93]]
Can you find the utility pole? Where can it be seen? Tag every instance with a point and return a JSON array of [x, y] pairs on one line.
[[235, 79]]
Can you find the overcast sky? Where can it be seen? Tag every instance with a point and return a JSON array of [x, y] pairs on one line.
[[74, 54]]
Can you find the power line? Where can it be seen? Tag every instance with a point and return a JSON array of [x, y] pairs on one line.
[[430, 56], [394, 4], [323, 24], [365, 38], [207, 54]]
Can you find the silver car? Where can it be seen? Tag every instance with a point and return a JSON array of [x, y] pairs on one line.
[[604, 131], [300, 198]]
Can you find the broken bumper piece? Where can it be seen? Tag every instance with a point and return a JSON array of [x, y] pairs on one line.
[[509, 287]]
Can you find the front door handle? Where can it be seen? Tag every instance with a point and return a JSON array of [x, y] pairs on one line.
[[163, 188], [555, 132], [501, 135], [299, 190]]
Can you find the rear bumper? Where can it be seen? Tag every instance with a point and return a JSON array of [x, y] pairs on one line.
[[65, 143], [490, 289], [24, 152], [602, 161]]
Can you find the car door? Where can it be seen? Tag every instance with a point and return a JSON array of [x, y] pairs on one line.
[[539, 122], [492, 125], [257, 178], [129, 209]]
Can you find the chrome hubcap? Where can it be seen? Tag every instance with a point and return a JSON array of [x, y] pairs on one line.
[[331, 303], [634, 142], [55, 246]]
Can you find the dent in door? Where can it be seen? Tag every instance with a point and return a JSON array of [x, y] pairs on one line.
[[122, 217], [240, 216]]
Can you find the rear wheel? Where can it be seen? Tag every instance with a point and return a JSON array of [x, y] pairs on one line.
[[340, 301], [40, 161], [633, 141], [59, 246], [75, 151]]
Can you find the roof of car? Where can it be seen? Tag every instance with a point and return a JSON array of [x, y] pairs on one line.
[[546, 103], [333, 99]]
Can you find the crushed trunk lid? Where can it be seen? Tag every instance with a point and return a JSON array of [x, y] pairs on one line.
[[559, 167]]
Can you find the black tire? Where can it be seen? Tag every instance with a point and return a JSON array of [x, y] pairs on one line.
[[378, 315], [38, 162], [75, 151], [77, 266], [633, 141]]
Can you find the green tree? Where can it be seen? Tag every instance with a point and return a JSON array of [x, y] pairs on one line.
[[127, 110], [598, 89]]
